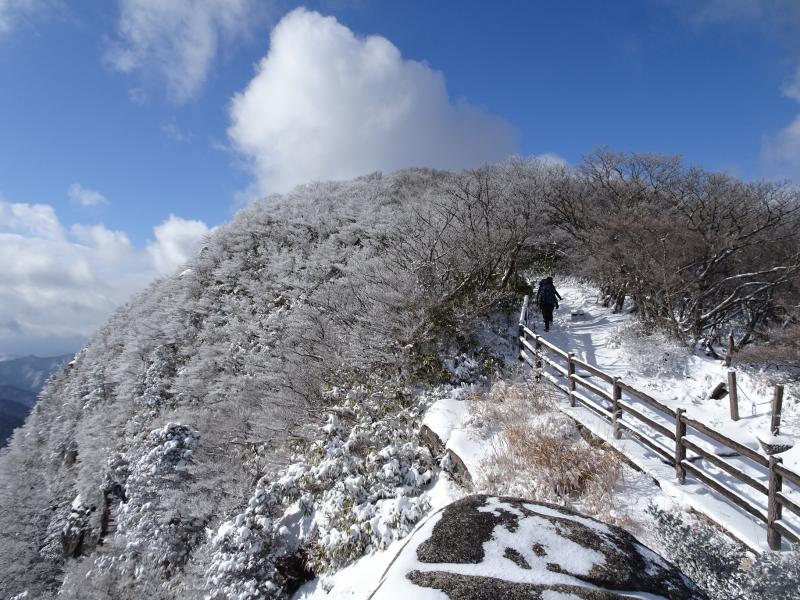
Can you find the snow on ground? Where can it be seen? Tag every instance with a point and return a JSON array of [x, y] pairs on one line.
[[654, 365], [446, 414], [662, 369], [362, 578], [451, 420]]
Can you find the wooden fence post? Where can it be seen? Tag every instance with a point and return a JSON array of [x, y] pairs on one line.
[[733, 394], [680, 449], [538, 358], [777, 407], [523, 320], [774, 508], [570, 378], [616, 396], [731, 349]]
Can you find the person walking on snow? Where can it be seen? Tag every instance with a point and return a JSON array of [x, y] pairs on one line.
[[547, 298]]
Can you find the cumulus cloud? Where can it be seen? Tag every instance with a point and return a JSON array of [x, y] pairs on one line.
[[85, 196], [37, 220], [59, 283], [177, 40], [176, 241], [327, 104]]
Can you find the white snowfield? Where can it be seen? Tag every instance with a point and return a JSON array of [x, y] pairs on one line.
[[669, 374]]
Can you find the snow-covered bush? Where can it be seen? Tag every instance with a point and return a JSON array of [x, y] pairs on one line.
[[244, 555], [160, 371], [354, 490], [651, 354], [722, 567], [153, 524], [154, 534], [74, 529]]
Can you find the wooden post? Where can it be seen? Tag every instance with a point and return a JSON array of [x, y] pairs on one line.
[[680, 449], [731, 349], [774, 508], [570, 379], [523, 319], [538, 347], [777, 407], [616, 396], [733, 395]]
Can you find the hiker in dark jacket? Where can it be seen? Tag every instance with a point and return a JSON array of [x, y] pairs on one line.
[[547, 298]]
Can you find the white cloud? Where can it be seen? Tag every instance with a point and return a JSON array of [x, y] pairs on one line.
[[177, 40], [85, 196], [59, 283], [175, 133], [176, 241], [325, 104], [779, 20], [37, 220], [13, 12], [782, 150], [791, 89]]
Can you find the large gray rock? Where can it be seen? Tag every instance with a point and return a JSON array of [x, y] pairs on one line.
[[484, 548]]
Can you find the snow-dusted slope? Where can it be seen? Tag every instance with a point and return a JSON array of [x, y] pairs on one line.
[[667, 372]]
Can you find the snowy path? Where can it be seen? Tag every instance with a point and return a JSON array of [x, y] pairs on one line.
[[679, 380]]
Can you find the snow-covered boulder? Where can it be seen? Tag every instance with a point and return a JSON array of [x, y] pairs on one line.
[[442, 434], [486, 547]]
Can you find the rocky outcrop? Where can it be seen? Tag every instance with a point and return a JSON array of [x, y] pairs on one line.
[[450, 462], [485, 547], [437, 433], [431, 440]]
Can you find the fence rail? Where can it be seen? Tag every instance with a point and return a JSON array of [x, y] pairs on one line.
[[669, 433]]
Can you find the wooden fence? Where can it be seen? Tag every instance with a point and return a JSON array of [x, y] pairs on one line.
[[677, 439]]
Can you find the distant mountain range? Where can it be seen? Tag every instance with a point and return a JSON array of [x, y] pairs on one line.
[[21, 380]]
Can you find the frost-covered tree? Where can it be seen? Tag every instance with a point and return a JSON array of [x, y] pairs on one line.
[[325, 288], [300, 342]]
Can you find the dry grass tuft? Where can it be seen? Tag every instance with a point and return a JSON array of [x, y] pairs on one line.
[[507, 403], [538, 452]]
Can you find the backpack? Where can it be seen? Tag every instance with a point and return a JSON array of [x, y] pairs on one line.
[[546, 294]]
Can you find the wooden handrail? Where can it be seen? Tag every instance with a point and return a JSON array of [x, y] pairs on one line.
[[787, 474], [786, 532], [653, 424], [593, 370], [523, 315], [725, 466], [596, 390], [787, 503], [777, 473], [725, 440], [654, 446], [725, 491], [647, 399]]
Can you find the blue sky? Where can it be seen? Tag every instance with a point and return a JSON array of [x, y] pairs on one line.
[[170, 114]]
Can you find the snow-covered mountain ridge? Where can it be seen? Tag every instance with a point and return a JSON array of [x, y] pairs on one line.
[[297, 339], [253, 423]]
